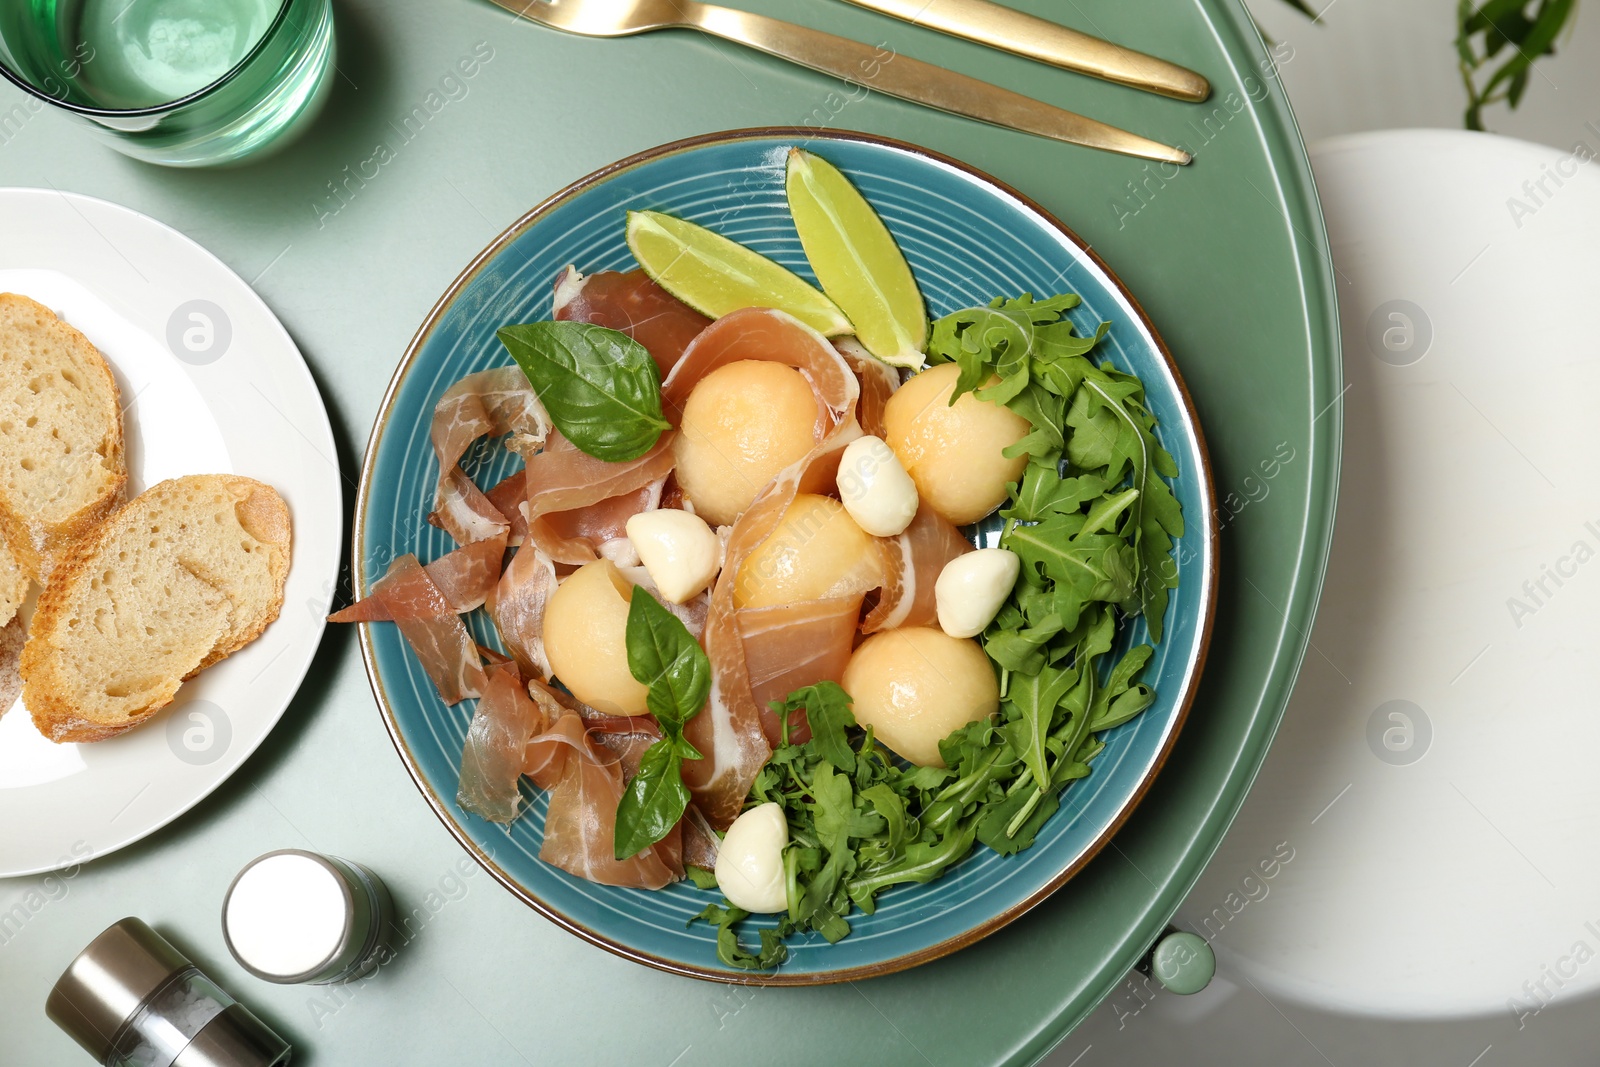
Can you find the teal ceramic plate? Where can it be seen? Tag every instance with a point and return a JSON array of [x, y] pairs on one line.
[[968, 239]]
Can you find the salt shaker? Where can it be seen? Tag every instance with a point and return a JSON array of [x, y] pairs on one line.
[[294, 916], [133, 1000]]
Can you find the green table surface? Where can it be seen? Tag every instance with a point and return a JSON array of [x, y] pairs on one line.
[[1228, 257]]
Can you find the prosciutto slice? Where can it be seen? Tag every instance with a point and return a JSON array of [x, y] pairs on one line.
[[517, 603], [730, 730], [507, 497], [487, 404], [562, 479], [793, 645], [464, 577], [877, 380], [760, 333], [432, 628], [603, 522], [492, 759], [700, 842], [586, 781], [912, 562], [632, 303], [544, 757]]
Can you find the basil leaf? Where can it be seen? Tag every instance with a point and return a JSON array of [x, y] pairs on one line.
[[665, 657], [600, 387], [653, 802], [670, 662]]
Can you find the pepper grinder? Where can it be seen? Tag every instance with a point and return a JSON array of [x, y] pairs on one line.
[[132, 1000]]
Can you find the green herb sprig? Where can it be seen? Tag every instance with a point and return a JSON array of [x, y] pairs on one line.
[[600, 386], [670, 662], [1506, 27]]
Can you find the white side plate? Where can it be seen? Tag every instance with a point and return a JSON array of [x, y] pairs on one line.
[[211, 383]]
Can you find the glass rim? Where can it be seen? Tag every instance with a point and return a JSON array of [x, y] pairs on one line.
[[153, 109]]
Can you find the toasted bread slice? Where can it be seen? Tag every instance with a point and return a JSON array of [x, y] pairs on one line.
[[12, 636], [62, 469], [182, 575], [13, 584]]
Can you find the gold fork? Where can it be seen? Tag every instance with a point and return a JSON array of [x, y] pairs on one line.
[[860, 64]]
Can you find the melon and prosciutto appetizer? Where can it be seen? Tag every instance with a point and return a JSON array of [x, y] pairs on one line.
[[566, 508]]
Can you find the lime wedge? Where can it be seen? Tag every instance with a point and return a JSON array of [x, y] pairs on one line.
[[714, 275], [857, 261]]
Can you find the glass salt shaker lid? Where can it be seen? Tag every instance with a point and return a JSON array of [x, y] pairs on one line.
[[294, 916]]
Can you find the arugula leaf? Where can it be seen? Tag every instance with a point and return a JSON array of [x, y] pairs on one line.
[[827, 708], [1043, 491], [922, 862], [702, 878], [1033, 701], [677, 673], [891, 807], [731, 952], [600, 387], [992, 828]]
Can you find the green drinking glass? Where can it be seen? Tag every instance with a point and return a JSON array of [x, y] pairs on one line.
[[183, 83]]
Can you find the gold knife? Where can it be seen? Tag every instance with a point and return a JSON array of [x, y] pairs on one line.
[[1036, 38], [868, 68]]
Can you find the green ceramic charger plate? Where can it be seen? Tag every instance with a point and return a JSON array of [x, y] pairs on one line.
[[1229, 259], [968, 240]]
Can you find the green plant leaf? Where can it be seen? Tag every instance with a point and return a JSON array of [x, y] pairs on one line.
[[1504, 30], [827, 708], [729, 949], [1033, 703], [652, 803], [600, 387], [664, 656]]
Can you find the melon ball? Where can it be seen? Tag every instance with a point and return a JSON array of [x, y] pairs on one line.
[[916, 686], [815, 551], [585, 638], [742, 424], [953, 452]]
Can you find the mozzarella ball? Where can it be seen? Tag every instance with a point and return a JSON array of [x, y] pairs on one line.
[[741, 425], [750, 860], [678, 549], [916, 686], [953, 453], [815, 551], [875, 488], [971, 589], [585, 638]]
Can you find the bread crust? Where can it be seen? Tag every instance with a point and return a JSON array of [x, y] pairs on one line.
[[263, 513], [38, 545], [13, 587]]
